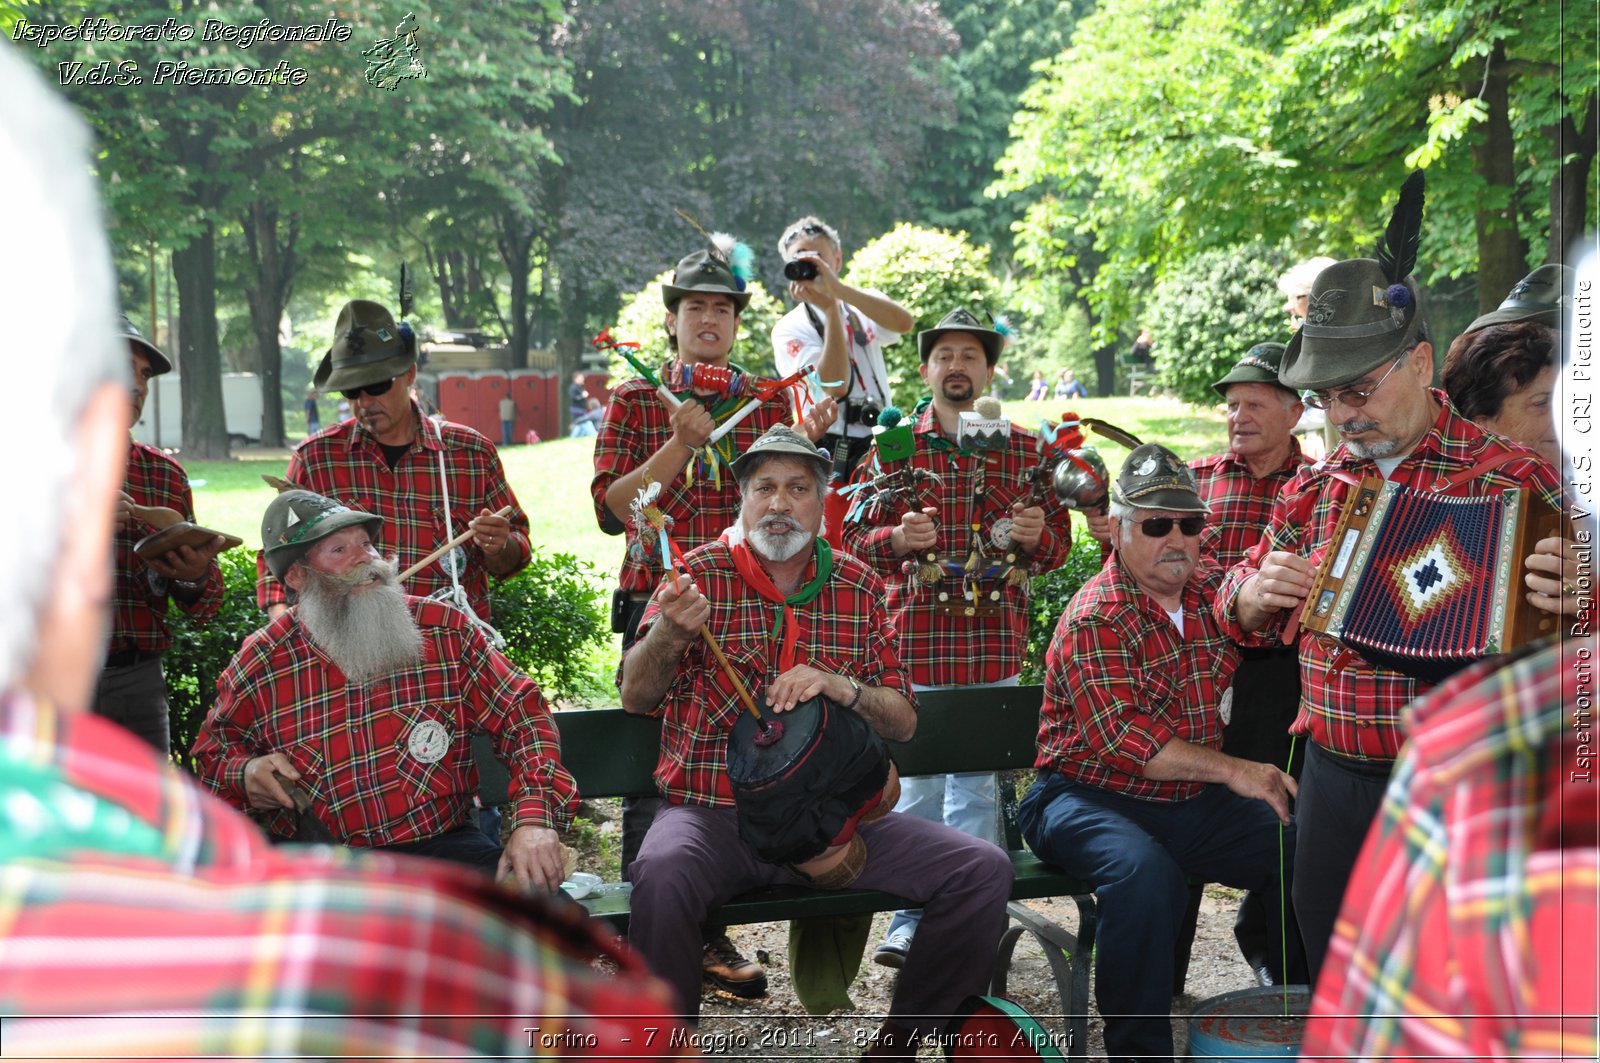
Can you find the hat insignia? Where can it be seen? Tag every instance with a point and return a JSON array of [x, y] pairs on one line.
[[294, 518], [1146, 467], [1320, 310], [1519, 289]]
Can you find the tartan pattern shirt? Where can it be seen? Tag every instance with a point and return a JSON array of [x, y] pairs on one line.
[[638, 423], [1469, 925], [844, 630], [139, 598], [1240, 503], [1121, 682], [390, 761], [1348, 705], [942, 649], [143, 918], [344, 462]]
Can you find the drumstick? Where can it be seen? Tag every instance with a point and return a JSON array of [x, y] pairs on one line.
[[503, 511]]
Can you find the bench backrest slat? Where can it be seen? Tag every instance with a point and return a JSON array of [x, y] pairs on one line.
[[612, 754]]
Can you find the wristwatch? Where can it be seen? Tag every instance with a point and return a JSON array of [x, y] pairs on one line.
[[855, 699]]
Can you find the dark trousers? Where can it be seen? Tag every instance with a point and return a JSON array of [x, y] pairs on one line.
[[464, 845], [1266, 699], [134, 695], [1339, 799], [1138, 856]]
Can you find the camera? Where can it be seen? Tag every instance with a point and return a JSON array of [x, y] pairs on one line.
[[800, 269], [865, 412]]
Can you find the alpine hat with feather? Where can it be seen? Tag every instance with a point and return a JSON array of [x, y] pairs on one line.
[[1541, 297], [1364, 313], [962, 320], [368, 347]]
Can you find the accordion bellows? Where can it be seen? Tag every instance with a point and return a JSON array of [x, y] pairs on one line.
[[1427, 583]]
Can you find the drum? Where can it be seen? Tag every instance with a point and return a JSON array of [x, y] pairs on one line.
[[997, 1028], [804, 782]]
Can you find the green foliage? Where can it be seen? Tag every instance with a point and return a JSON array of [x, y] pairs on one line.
[[200, 651], [642, 314], [1048, 598], [930, 272], [554, 622], [1210, 310]]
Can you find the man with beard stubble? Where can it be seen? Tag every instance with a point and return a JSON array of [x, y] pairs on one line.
[[365, 699]]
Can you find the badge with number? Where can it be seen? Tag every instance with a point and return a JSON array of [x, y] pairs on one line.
[[429, 741], [1225, 707], [1000, 534]]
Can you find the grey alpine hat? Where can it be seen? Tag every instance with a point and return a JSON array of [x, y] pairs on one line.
[[368, 347], [1541, 297], [296, 520], [1259, 365], [159, 362], [704, 271], [962, 320], [778, 441], [1154, 477]]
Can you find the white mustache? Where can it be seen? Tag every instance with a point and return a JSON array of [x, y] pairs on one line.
[[1172, 555], [1350, 428]]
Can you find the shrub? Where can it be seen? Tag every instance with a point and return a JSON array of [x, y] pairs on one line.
[[1048, 598], [550, 614], [1210, 310], [930, 272], [640, 321]]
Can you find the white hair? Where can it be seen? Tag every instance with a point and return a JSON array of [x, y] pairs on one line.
[[1127, 516], [58, 300]]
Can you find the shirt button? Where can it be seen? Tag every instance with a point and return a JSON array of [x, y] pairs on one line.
[[1363, 723]]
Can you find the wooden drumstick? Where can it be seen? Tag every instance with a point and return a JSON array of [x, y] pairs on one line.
[[503, 511]]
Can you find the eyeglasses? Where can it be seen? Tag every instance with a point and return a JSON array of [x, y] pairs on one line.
[[380, 388], [1161, 527], [808, 229], [1321, 400]]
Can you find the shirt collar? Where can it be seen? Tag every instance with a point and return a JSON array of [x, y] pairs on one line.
[[428, 434], [1450, 439]]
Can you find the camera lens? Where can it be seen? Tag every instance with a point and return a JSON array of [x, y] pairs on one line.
[[800, 269]]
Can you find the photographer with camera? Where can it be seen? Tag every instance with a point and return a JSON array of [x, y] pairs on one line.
[[866, 321]]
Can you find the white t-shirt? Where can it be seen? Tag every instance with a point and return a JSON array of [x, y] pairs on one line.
[[795, 341]]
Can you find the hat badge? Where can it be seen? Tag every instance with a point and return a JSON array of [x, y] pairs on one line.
[[1146, 467], [1320, 310]]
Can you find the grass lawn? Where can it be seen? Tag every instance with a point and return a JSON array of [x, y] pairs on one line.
[[552, 479]]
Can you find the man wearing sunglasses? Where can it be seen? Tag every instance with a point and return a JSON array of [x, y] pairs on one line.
[[1363, 355], [1134, 793], [428, 480]]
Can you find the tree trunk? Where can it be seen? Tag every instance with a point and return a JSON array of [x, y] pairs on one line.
[[516, 253], [1574, 148], [205, 430], [266, 298], [1502, 254], [570, 340]]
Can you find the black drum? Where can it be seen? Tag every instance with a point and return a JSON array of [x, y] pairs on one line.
[[803, 783]]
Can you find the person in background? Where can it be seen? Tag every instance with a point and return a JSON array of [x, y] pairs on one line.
[[144, 918], [508, 420], [1068, 386], [313, 415]]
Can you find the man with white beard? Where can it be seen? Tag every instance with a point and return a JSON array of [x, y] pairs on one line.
[[365, 699]]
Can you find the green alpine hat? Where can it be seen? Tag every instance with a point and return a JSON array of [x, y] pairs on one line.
[[296, 520], [1540, 297], [1259, 365], [703, 271], [368, 347], [1154, 477], [159, 362], [778, 441], [962, 320]]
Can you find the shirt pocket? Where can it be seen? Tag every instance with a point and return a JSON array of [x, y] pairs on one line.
[[722, 704], [429, 748]]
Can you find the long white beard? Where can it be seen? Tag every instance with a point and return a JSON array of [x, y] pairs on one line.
[[367, 634]]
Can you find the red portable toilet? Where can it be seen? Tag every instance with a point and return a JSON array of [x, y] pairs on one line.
[[534, 411], [458, 397], [492, 385]]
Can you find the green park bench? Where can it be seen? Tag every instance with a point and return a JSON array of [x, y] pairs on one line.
[[612, 754]]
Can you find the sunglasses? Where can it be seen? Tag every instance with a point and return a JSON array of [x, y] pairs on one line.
[[1321, 400], [809, 229], [380, 388], [1161, 527]]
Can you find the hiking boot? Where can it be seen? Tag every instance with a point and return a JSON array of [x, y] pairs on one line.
[[726, 969]]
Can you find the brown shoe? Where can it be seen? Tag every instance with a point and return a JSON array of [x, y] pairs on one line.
[[726, 969]]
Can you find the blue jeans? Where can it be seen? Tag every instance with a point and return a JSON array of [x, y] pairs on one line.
[[965, 801], [1137, 854]]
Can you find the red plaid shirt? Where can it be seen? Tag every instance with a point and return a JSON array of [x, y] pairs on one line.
[[1120, 683], [844, 630], [1240, 503], [388, 762], [940, 649], [636, 425], [145, 919], [344, 462], [139, 599], [1355, 711], [1469, 925]]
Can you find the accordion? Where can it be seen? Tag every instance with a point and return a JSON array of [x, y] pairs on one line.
[[1427, 583]]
